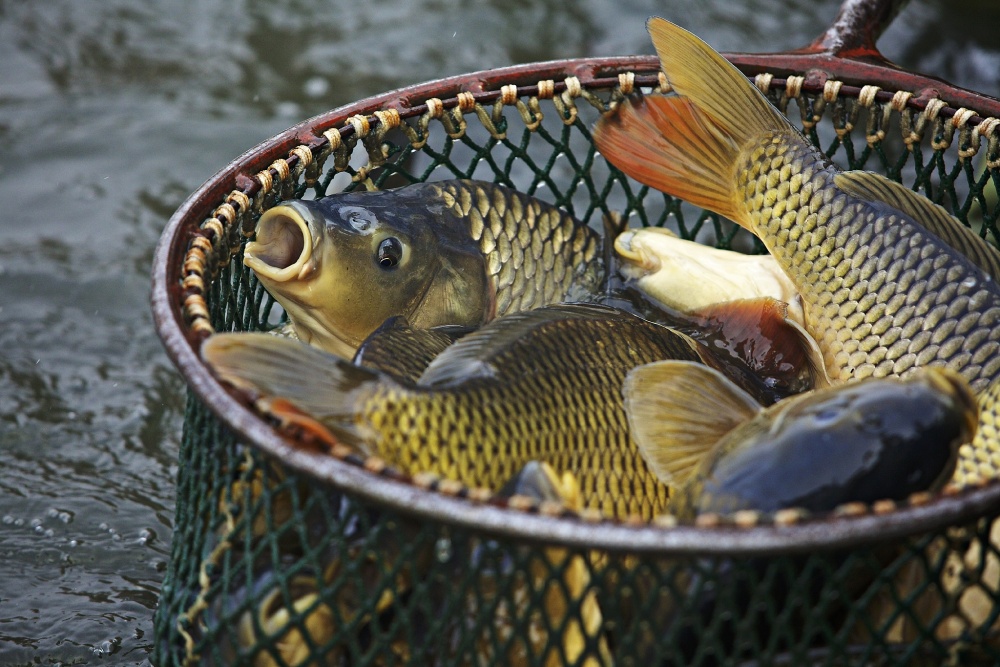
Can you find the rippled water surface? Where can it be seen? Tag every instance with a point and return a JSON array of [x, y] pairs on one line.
[[111, 112]]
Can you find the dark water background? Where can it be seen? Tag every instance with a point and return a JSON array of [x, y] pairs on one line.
[[111, 112]]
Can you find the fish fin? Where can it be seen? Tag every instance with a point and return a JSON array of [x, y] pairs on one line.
[[540, 481], [678, 410], [814, 355], [688, 145], [877, 189], [296, 383], [472, 355]]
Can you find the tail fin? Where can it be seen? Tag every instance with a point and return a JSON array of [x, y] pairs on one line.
[[295, 383], [688, 144]]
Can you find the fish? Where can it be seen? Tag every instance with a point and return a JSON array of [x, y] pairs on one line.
[[690, 276], [542, 385], [890, 282], [859, 442], [457, 252]]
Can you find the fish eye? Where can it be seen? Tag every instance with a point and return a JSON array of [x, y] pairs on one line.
[[390, 252], [360, 218]]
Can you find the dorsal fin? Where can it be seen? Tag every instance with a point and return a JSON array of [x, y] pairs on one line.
[[678, 410], [876, 188], [472, 355]]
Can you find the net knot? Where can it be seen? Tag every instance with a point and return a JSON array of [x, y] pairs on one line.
[[546, 89], [793, 86], [626, 81], [665, 86], [831, 89], [866, 97], [899, 100], [388, 119], [508, 94], [573, 88], [265, 179], [934, 108], [763, 82], [281, 168], [435, 107], [466, 101], [240, 199], [360, 124], [333, 136]]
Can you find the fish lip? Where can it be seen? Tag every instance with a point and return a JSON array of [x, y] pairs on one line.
[[283, 248], [637, 262]]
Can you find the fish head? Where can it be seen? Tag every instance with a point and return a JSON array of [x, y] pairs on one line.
[[342, 265], [688, 276], [862, 441]]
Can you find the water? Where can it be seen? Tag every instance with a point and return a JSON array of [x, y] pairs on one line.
[[111, 112]]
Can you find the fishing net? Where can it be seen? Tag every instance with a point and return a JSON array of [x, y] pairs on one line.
[[279, 561]]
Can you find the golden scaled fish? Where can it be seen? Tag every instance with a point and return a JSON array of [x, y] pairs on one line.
[[541, 385], [454, 252], [890, 282], [722, 452]]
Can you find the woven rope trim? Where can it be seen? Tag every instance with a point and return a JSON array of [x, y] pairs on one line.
[[218, 237]]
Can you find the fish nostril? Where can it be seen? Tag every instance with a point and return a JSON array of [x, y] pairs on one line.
[[280, 240]]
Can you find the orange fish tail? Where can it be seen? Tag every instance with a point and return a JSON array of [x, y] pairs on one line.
[[689, 144]]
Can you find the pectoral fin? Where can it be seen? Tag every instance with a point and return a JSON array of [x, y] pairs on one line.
[[296, 383], [678, 410]]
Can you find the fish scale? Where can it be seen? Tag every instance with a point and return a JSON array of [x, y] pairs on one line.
[[916, 298], [500, 223]]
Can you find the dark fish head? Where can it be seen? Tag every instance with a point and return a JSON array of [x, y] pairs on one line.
[[342, 265], [861, 442]]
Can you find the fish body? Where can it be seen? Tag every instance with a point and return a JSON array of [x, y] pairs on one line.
[[541, 385], [890, 282], [454, 252]]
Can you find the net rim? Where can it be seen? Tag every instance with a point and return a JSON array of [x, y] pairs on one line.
[[181, 343]]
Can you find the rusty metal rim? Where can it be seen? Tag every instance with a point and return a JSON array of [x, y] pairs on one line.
[[181, 346]]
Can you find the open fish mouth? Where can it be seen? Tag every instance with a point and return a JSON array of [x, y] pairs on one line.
[[283, 248], [637, 261]]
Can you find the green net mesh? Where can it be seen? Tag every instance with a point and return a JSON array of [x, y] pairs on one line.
[[271, 567]]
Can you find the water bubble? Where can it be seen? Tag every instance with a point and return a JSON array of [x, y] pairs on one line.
[[49, 532], [52, 513], [102, 526], [18, 522], [116, 537], [65, 517], [71, 415], [74, 543], [35, 523], [7, 519], [316, 86], [287, 110], [39, 530]]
